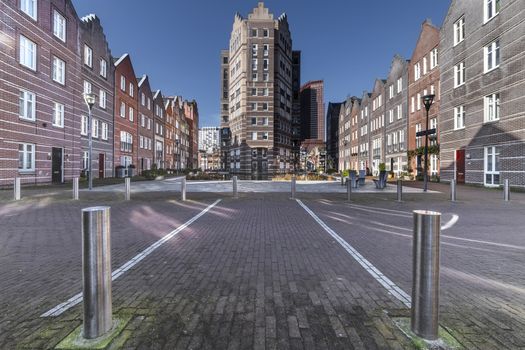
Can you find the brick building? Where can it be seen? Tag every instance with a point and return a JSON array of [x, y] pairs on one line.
[[362, 130], [482, 112], [376, 126], [423, 75], [40, 92], [160, 130], [191, 113], [396, 116], [312, 111], [169, 140], [126, 118], [97, 77], [145, 125]]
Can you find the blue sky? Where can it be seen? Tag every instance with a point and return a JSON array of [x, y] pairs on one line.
[[347, 43]]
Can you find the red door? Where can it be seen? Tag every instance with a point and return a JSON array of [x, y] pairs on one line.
[[460, 166], [101, 163]]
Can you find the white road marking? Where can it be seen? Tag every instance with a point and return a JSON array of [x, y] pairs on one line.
[[450, 223], [390, 286], [77, 298]]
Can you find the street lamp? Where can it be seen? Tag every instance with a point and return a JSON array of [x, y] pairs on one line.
[[90, 98], [427, 101]]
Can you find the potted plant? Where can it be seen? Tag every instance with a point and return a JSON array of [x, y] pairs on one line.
[[131, 169], [382, 174], [120, 170]]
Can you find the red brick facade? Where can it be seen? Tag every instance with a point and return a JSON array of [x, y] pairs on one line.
[[145, 125]]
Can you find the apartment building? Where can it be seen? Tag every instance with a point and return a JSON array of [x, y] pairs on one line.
[[41, 92], [191, 113], [296, 109], [125, 117], [160, 130], [225, 134], [396, 117], [169, 140], [209, 138], [482, 114], [260, 94], [312, 111], [344, 135], [145, 125], [376, 126]]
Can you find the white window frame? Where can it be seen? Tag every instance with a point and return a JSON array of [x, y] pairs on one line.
[[88, 56], [102, 101], [94, 128], [59, 70], [25, 154], [123, 83], [59, 25], [491, 56], [27, 53], [459, 30], [58, 115], [27, 105], [30, 8], [490, 6], [88, 87], [417, 71], [105, 131], [84, 121], [103, 68], [434, 58], [122, 109], [459, 117], [491, 107], [459, 74], [494, 153], [131, 113], [131, 89]]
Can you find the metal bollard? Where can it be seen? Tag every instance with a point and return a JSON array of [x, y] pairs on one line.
[[506, 190], [399, 190], [75, 188], [96, 271], [16, 189], [293, 186], [234, 185], [128, 188], [453, 190], [183, 189], [425, 274], [342, 180], [348, 189]]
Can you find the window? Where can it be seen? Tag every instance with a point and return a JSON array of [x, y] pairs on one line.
[[491, 9], [265, 136], [83, 125], [26, 157], [254, 64], [27, 101], [399, 111], [433, 58], [391, 116], [491, 107], [254, 121], [253, 33], [492, 56], [459, 74], [391, 91], [122, 83], [266, 33], [265, 76], [254, 76], [418, 101], [254, 92], [413, 104], [418, 138], [85, 160], [433, 164], [59, 26], [29, 7], [102, 101], [131, 111], [87, 87], [492, 166], [149, 104], [424, 65], [131, 89], [417, 71], [27, 53], [266, 50], [103, 68], [266, 64], [254, 50], [459, 117], [254, 135], [88, 56], [59, 70], [126, 142], [122, 109], [94, 128], [104, 131], [58, 115], [264, 106], [459, 30]]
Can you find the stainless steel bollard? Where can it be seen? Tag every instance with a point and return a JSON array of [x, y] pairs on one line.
[[399, 190], [293, 186], [96, 271], [342, 180], [128, 188], [75, 188], [16, 189], [425, 274], [234, 185], [453, 190], [183, 189], [348, 189], [506, 190]]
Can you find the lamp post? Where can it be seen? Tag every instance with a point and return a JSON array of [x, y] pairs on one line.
[[427, 101], [90, 98]]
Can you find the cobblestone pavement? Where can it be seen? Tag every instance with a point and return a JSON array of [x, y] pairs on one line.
[[260, 273]]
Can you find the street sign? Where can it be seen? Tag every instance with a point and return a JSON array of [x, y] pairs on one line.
[[425, 132]]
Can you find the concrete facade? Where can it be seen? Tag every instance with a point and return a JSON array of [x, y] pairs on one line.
[[490, 145]]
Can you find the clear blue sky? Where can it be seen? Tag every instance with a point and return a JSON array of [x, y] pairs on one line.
[[347, 43]]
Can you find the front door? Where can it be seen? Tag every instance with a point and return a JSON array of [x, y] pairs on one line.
[[460, 166], [56, 165], [101, 165]]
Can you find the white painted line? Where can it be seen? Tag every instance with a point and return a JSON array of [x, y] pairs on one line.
[[77, 298], [450, 223], [390, 286]]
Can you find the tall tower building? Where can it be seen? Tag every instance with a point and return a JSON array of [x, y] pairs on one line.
[[259, 101], [312, 111]]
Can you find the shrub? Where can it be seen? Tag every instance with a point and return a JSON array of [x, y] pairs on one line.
[[382, 167]]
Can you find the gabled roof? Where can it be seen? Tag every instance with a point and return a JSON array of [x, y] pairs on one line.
[[142, 80], [157, 94], [119, 61]]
